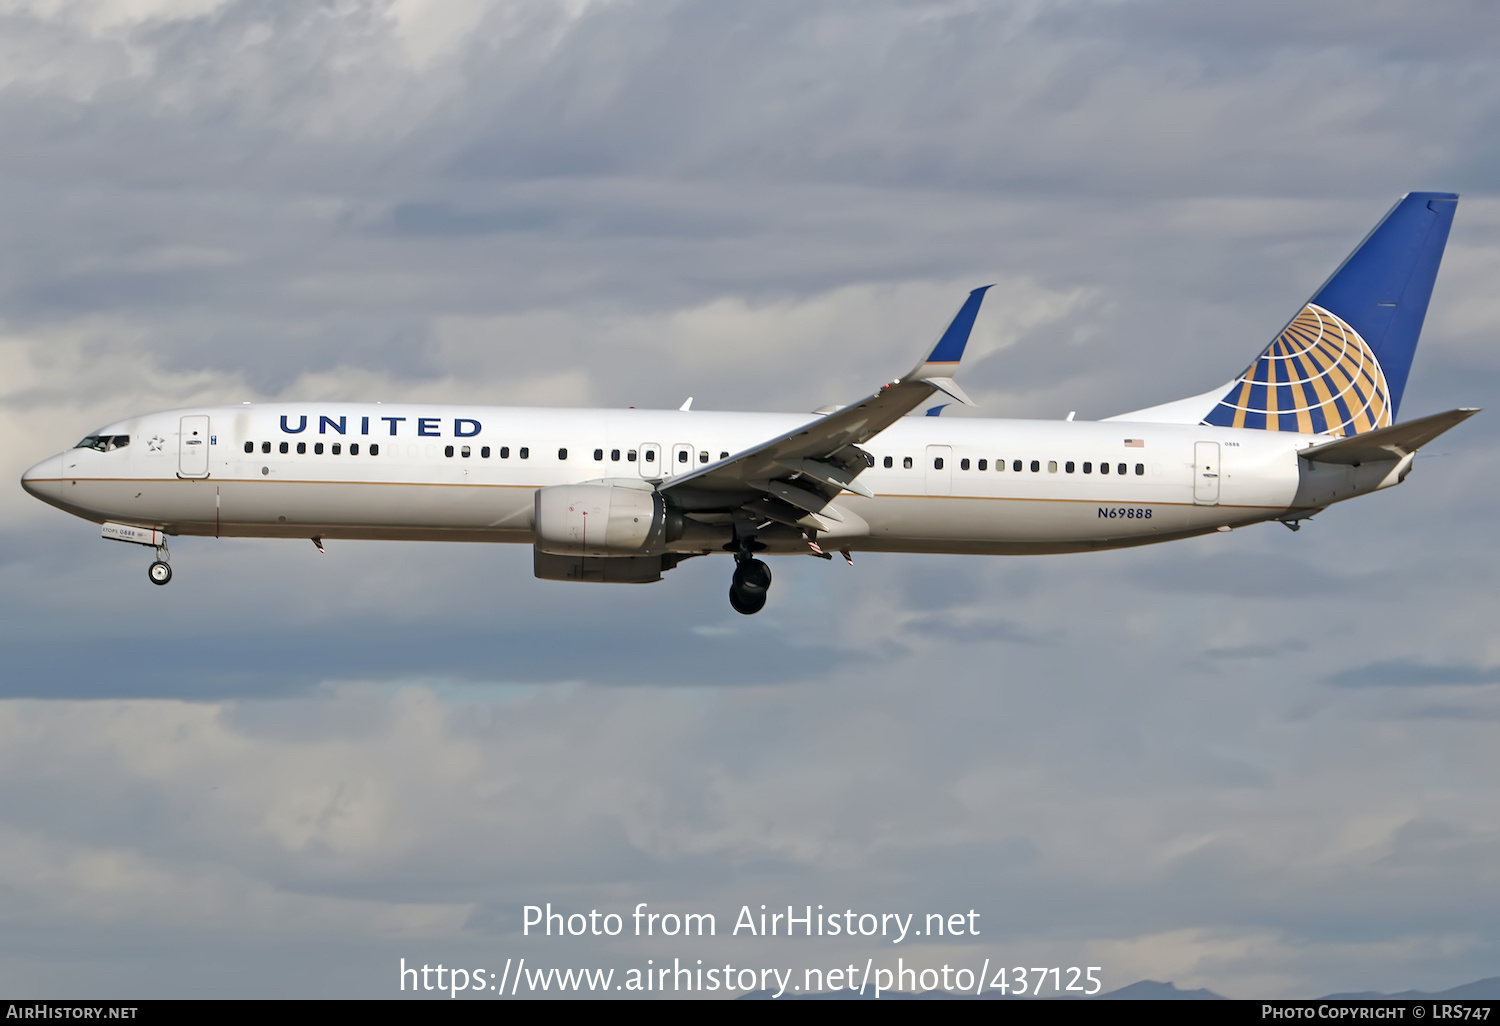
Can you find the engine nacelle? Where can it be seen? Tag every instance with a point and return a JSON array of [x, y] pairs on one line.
[[599, 520]]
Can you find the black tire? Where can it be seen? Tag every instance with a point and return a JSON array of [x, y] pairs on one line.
[[159, 572], [746, 602], [752, 576]]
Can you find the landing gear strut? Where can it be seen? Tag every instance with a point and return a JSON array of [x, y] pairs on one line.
[[160, 571], [747, 590]]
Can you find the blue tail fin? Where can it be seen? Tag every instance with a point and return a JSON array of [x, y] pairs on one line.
[[1340, 366]]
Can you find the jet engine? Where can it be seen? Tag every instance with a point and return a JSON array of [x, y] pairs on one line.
[[599, 520]]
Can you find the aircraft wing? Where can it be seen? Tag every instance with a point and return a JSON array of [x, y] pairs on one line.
[[1387, 443], [792, 479]]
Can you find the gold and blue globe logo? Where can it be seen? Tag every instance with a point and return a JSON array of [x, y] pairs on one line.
[[1317, 376]]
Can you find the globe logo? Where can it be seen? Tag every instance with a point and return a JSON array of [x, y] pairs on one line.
[[1318, 376]]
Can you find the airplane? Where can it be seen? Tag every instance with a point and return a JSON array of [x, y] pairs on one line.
[[625, 495]]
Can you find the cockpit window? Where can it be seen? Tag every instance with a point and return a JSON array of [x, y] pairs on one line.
[[104, 443]]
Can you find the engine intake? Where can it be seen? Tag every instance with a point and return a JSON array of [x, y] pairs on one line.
[[599, 520]]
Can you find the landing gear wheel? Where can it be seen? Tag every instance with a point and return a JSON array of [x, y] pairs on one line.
[[160, 573], [747, 591]]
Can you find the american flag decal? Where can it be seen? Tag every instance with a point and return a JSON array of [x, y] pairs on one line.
[[1135, 443]]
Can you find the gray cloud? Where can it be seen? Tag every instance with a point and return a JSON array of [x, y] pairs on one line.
[[1414, 673]]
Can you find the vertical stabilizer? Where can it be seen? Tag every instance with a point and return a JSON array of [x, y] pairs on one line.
[[1341, 365]]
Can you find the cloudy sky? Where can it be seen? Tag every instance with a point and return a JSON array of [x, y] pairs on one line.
[[1260, 762]]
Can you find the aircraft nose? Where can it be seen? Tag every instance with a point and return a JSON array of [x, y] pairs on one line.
[[45, 479]]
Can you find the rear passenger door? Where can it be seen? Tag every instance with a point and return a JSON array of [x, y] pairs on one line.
[[1206, 473]]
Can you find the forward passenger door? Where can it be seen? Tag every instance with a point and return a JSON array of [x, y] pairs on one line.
[[192, 447]]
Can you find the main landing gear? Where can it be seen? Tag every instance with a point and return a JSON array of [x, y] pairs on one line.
[[160, 571], [752, 579]]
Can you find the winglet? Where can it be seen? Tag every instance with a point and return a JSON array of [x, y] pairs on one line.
[[944, 358]]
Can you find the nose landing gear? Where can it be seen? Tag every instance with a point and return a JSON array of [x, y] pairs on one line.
[[160, 571], [747, 590]]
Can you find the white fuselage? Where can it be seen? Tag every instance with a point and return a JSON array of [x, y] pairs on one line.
[[466, 473]]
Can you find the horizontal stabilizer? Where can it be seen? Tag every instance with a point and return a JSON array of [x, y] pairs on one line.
[[1388, 443]]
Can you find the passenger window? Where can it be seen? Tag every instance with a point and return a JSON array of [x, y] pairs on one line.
[[906, 463], [889, 463], [1104, 468], [464, 452], [682, 455], [1016, 466], [1036, 466], [1120, 469], [505, 452], [524, 452], [703, 456], [598, 455], [1068, 466], [317, 448], [265, 446], [301, 448], [447, 450], [484, 452], [284, 447], [249, 446], [354, 449], [374, 448], [614, 454], [1140, 470], [937, 463], [1088, 468], [562, 454], [963, 464], [723, 455], [650, 455], [630, 456], [984, 464], [1051, 466]]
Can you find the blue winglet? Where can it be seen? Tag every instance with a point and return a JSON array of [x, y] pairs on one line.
[[950, 348]]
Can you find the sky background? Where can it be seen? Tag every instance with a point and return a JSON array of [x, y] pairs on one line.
[[1261, 762]]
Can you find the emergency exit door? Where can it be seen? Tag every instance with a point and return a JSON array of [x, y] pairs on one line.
[[939, 472], [650, 462]]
